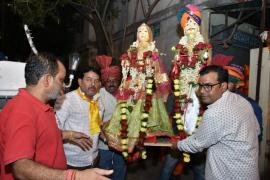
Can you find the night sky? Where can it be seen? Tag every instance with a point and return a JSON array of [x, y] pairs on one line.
[[55, 36]]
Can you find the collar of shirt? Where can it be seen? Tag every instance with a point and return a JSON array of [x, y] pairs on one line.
[[224, 95], [45, 107]]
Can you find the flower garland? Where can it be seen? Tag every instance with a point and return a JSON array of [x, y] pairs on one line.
[[124, 129], [147, 106], [189, 63], [148, 56]]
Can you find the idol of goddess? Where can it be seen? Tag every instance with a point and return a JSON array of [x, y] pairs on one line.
[[140, 113]]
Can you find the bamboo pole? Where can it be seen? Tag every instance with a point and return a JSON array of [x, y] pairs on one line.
[[262, 26]]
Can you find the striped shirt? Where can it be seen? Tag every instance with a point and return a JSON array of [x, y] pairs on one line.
[[230, 132]]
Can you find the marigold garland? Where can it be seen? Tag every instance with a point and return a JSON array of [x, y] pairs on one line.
[[145, 115], [150, 85], [183, 61], [124, 129]]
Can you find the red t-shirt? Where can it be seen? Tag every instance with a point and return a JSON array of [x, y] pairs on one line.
[[28, 129]]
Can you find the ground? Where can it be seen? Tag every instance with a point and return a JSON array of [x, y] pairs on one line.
[[149, 169]]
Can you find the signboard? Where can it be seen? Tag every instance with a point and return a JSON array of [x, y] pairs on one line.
[[239, 39]]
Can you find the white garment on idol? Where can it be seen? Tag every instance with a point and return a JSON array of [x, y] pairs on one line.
[[192, 112]]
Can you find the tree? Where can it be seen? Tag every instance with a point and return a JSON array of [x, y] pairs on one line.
[[99, 13]]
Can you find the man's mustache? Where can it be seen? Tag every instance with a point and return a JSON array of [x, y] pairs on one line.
[[112, 86]]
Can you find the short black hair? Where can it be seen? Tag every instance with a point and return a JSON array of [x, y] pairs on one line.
[[39, 65], [87, 69], [221, 72]]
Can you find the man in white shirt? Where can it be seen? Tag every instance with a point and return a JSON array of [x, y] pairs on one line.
[[81, 111], [229, 130], [110, 76]]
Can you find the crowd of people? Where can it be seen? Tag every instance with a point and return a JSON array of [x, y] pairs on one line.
[[94, 130]]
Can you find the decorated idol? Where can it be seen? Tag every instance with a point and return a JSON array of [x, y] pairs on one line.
[[140, 113], [191, 54]]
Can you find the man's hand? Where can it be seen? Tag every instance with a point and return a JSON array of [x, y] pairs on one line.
[[95, 173], [174, 145], [78, 138], [82, 140]]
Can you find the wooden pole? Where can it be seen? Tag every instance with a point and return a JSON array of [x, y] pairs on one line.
[[262, 26]]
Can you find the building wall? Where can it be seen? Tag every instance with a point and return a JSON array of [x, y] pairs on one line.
[[264, 99]]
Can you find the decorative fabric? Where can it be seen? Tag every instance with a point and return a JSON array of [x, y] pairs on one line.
[[106, 70], [94, 118], [191, 11], [236, 75], [221, 60], [229, 131]]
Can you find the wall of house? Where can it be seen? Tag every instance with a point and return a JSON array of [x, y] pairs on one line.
[[264, 99]]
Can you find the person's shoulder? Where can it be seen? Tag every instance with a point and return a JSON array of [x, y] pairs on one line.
[[71, 94], [103, 91], [105, 94], [19, 106], [19, 101], [235, 98], [253, 103]]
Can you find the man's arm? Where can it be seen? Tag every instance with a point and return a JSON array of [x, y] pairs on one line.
[[30, 170], [206, 135]]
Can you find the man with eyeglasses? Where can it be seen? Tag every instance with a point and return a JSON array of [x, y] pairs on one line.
[[81, 111], [229, 130]]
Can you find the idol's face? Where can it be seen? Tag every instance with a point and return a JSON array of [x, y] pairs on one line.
[[191, 28], [143, 34]]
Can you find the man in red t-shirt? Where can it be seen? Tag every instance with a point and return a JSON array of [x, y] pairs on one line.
[[30, 142]]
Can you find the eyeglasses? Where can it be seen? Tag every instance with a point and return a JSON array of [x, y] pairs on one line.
[[207, 87]]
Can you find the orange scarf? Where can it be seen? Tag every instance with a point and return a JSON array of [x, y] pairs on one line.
[[94, 118]]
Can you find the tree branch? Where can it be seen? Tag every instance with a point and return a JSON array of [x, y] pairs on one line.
[[144, 13], [53, 7], [105, 9], [135, 12], [103, 29], [151, 8], [83, 14]]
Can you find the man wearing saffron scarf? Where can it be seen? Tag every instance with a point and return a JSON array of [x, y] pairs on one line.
[[81, 111], [110, 76]]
